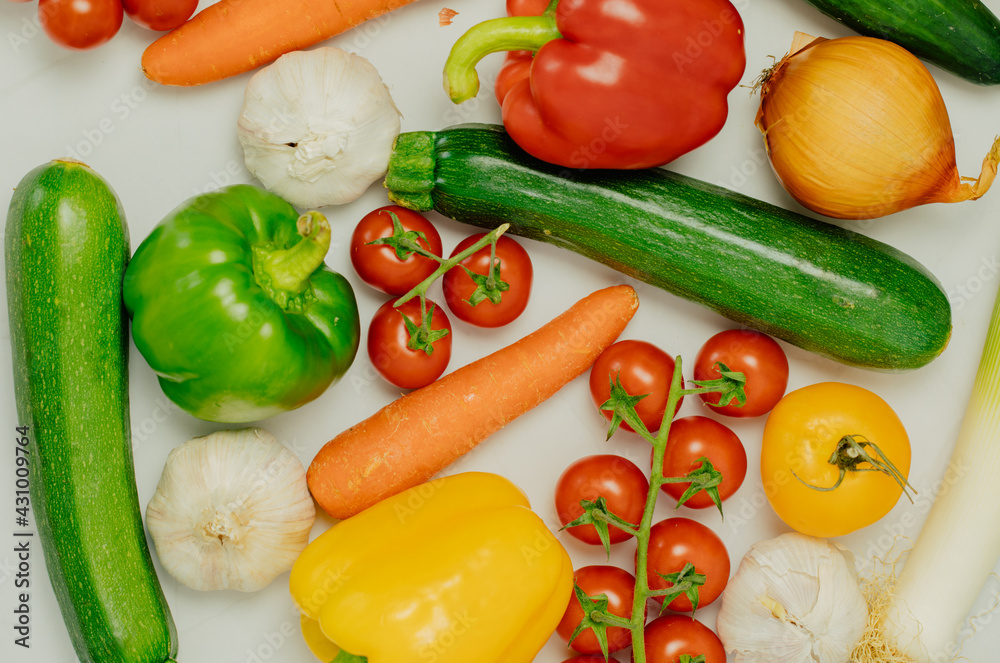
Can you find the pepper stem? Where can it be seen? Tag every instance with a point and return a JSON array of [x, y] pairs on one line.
[[345, 657], [284, 273], [512, 33]]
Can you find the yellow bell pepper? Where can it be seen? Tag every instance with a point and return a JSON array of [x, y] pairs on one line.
[[455, 570]]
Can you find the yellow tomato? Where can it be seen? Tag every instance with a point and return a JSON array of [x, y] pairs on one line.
[[804, 433]]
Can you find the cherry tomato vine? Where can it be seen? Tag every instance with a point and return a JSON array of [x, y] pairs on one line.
[[621, 404]]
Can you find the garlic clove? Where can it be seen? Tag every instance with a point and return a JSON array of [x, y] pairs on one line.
[[232, 510], [794, 599], [317, 127]]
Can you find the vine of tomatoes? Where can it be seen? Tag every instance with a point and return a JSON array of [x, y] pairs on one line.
[[486, 282], [86, 24], [606, 499]]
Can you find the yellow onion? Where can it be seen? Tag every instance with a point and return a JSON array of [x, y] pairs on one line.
[[856, 128]]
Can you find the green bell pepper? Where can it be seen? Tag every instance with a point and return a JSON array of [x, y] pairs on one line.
[[234, 309]]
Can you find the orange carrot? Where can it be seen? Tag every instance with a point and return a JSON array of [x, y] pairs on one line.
[[413, 438], [234, 36]]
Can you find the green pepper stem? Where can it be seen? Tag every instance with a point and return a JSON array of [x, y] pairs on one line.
[[346, 657], [512, 33], [288, 270]]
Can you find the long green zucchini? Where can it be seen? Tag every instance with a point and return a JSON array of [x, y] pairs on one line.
[[826, 289], [960, 36], [66, 249]]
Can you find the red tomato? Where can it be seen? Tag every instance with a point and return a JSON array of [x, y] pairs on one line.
[[387, 345], [676, 541], [616, 479], [670, 636], [515, 270], [159, 15], [590, 658], [377, 265], [619, 586], [643, 369], [756, 355], [80, 24], [692, 438]]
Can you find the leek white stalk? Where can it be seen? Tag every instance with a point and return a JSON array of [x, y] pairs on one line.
[[960, 534]]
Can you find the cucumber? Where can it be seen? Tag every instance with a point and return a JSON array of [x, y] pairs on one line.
[[960, 36], [66, 249], [818, 286]]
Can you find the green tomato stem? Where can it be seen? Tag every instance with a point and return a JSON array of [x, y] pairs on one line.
[[610, 619], [642, 591], [420, 290]]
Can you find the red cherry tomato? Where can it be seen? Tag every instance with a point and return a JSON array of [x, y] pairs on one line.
[[515, 270], [692, 438], [388, 349], [756, 355], [675, 542], [670, 636], [80, 24], [642, 368], [616, 479], [160, 15], [378, 265], [619, 586], [590, 658]]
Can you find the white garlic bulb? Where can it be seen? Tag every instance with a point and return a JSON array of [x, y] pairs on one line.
[[232, 510], [317, 127], [794, 599]]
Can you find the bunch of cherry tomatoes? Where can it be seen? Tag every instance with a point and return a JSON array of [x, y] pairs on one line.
[[389, 333], [85, 24], [674, 542]]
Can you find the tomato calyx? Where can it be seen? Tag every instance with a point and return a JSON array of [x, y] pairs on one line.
[[423, 337], [687, 658], [622, 406], [850, 454], [597, 617], [596, 513], [684, 582], [730, 385], [404, 243], [703, 478], [488, 286]]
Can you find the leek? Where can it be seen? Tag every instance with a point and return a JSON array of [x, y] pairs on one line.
[[962, 532]]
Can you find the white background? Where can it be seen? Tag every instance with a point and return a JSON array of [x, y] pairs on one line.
[[159, 146]]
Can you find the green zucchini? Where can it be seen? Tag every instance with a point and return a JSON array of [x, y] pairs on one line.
[[824, 288], [66, 249], [960, 36]]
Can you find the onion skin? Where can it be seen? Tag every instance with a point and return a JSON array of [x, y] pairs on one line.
[[856, 128]]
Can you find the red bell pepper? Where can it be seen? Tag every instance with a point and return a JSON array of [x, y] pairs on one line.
[[611, 83]]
